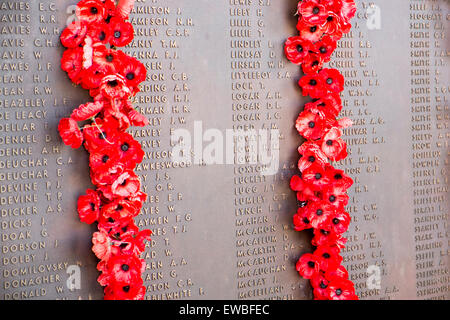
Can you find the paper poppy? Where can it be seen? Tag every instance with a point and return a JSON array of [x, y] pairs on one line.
[[90, 11], [70, 133], [89, 207], [297, 49]]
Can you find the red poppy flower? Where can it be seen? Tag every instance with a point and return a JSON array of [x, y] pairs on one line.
[[102, 158], [312, 63], [134, 72], [72, 62], [329, 257], [328, 106], [124, 8], [90, 11], [74, 34], [319, 284], [70, 133], [312, 12], [341, 289], [333, 146], [308, 266], [99, 32], [313, 85], [138, 199], [86, 111], [347, 10], [332, 26], [338, 178], [336, 196], [315, 176], [310, 126], [134, 244], [310, 153], [100, 134], [125, 291], [333, 80], [318, 212], [301, 221], [121, 32], [101, 245], [92, 77], [297, 49], [325, 236], [108, 60], [325, 48], [340, 272], [124, 268], [110, 7], [119, 209], [88, 207], [125, 185], [339, 222], [107, 174], [114, 87], [309, 32], [129, 150]]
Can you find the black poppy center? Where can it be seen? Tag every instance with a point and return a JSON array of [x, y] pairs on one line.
[[109, 58], [336, 221], [130, 76], [329, 142], [311, 124], [313, 29], [319, 212], [299, 48], [338, 176], [323, 50], [332, 198], [330, 18], [102, 135], [305, 221], [313, 82], [324, 232], [117, 34], [126, 288], [123, 245], [326, 255], [125, 147], [113, 83], [316, 10], [94, 10], [338, 292], [125, 267], [102, 36], [302, 204], [323, 285], [105, 158], [124, 182], [315, 63], [329, 81], [92, 206], [119, 207], [311, 264], [110, 220], [318, 176], [311, 159]]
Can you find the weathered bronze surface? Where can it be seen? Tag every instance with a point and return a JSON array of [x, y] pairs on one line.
[[224, 231]]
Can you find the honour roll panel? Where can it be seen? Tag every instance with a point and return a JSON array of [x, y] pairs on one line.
[[224, 231]]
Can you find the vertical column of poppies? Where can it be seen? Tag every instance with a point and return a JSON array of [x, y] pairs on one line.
[[112, 77], [321, 188]]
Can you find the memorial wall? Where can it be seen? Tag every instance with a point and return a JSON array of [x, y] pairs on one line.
[[224, 231]]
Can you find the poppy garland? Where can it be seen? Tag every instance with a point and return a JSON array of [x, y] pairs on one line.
[[112, 77], [322, 189]]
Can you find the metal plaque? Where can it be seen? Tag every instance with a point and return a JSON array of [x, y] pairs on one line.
[[223, 230]]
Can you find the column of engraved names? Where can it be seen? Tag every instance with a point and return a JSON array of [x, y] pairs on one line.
[[30, 158], [429, 126], [364, 163], [256, 238], [160, 31]]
